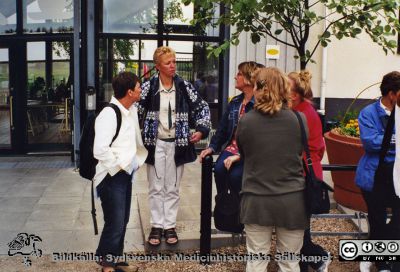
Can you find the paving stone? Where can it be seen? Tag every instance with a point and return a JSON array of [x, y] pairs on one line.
[[65, 200], [18, 204], [84, 240], [43, 172], [57, 224], [62, 188], [85, 221], [26, 190], [13, 221], [6, 186], [5, 238], [43, 181], [54, 240]]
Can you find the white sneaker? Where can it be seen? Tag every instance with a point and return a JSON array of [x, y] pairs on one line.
[[365, 266], [325, 264]]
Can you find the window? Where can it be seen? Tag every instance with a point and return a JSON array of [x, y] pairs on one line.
[[129, 16], [8, 18], [48, 16]]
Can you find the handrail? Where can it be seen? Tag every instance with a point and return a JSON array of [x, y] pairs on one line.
[[206, 201], [338, 167], [205, 214]]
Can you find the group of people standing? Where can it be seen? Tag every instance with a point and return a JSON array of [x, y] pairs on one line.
[[260, 155]]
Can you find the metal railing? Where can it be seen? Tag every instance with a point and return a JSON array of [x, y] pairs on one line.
[[206, 208]]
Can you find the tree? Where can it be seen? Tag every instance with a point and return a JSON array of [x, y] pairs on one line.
[[299, 18]]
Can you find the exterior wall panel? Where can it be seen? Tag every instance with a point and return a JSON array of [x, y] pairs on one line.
[[247, 51]]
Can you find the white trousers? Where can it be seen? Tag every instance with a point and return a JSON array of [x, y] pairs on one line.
[[258, 240], [164, 180]]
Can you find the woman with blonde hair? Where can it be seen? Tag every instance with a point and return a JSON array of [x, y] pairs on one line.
[[229, 166], [167, 106], [272, 196], [301, 96]]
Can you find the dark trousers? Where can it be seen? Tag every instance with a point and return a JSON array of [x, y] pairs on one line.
[[378, 200], [377, 205], [233, 176], [115, 195], [310, 249]]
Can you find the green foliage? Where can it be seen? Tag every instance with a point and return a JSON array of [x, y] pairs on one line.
[[344, 18], [344, 118]]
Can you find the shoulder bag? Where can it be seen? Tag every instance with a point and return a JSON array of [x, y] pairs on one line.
[[316, 192]]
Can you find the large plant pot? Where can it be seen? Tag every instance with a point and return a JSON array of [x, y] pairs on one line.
[[347, 151]]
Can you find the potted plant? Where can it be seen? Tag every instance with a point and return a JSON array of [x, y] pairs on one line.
[[343, 147], [307, 26]]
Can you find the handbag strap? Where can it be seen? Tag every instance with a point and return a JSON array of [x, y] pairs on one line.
[[387, 137], [309, 169]]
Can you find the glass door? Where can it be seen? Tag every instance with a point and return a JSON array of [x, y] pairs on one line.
[[48, 95], [6, 101]]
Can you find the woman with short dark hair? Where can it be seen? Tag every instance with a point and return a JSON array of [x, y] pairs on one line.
[[379, 194]]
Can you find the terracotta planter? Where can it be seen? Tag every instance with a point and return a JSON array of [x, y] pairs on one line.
[[348, 151]]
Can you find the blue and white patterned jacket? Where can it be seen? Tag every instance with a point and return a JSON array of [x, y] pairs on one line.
[[191, 110]]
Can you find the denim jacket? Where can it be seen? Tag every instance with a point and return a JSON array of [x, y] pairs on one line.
[[372, 125], [228, 123]]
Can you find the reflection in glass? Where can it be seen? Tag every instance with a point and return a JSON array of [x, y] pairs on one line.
[[5, 122], [48, 105], [47, 16], [206, 70], [129, 16], [8, 18], [176, 13], [126, 55]]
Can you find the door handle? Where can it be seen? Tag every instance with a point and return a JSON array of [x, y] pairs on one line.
[[11, 113]]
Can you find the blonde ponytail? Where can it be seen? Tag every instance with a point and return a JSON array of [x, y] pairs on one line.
[[302, 83]]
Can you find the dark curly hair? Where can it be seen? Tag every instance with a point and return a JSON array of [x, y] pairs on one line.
[[122, 82], [390, 82]]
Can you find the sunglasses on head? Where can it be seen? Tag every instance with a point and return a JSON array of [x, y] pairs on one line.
[[260, 84]]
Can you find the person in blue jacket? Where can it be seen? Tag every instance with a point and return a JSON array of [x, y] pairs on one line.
[[229, 166], [372, 122]]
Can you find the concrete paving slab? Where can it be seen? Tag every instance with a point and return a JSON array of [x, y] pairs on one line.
[[134, 220], [18, 204], [57, 224], [13, 221], [26, 190], [86, 204], [61, 213], [62, 188], [64, 200], [85, 221], [53, 217], [5, 186], [9, 178], [43, 181], [5, 238], [7, 173], [84, 240], [54, 241], [43, 172]]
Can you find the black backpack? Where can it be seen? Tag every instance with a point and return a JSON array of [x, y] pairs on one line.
[[87, 166]]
